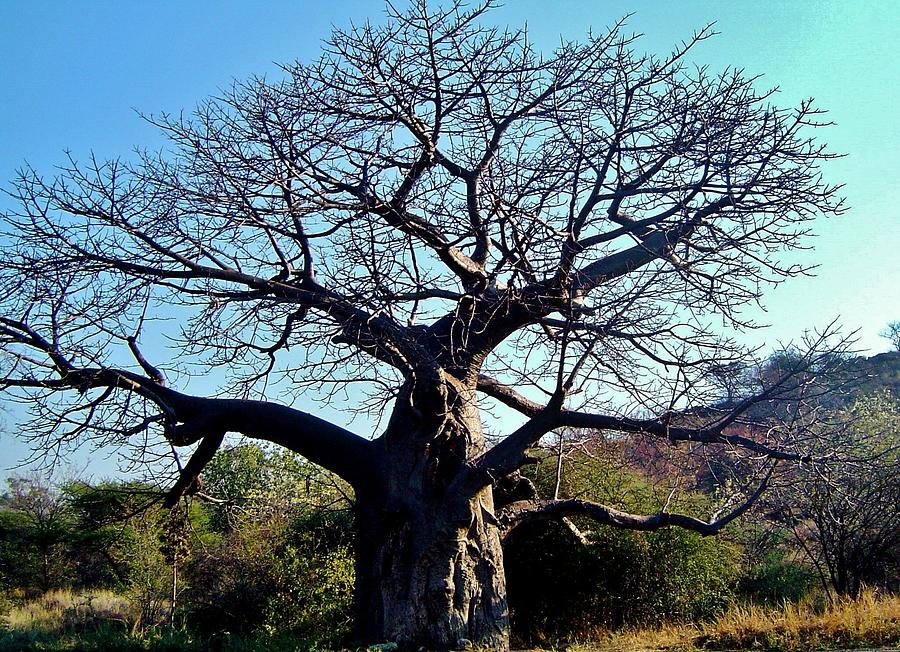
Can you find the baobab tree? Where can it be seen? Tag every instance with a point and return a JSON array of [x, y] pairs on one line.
[[437, 210]]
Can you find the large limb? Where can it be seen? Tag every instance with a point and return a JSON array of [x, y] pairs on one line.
[[663, 427], [524, 511], [190, 419], [492, 319], [652, 247], [316, 439]]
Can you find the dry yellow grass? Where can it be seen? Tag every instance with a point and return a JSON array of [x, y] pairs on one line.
[[871, 621], [62, 610]]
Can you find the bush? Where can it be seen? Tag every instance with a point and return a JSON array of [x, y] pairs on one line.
[[777, 580], [314, 575], [279, 578], [282, 563], [559, 587], [313, 596], [230, 582]]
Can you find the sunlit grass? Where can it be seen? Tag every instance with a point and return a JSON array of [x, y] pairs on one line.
[[63, 611], [66, 620], [871, 621], [99, 621]]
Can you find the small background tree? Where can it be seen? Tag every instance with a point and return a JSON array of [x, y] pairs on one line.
[[892, 333], [845, 516]]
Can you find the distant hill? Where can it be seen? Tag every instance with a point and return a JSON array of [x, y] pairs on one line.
[[852, 378], [881, 371]]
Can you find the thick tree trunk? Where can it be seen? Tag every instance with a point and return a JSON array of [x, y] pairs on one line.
[[427, 581], [429, 566]]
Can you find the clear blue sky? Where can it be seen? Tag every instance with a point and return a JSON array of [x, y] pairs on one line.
[[74, 72]]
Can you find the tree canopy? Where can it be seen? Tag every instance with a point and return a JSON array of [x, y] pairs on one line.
[[437, 211]]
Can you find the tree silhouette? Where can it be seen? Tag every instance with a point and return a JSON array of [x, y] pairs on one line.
[[892, 332]]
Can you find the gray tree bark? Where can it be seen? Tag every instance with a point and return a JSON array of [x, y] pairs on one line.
[[429, 564]]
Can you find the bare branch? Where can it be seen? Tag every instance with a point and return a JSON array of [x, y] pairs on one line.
[[524, 511]]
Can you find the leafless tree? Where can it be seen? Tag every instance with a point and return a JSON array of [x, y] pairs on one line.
[[47, 523], [892, 332], [460, 223], [844, 517]]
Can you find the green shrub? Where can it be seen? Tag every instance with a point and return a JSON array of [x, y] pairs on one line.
[[229, 582], [560, 588], [281, 564], [313, 596], [777, 580], [314, 574], [278, 578]]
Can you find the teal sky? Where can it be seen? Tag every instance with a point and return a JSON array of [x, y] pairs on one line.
[[75, 72]]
